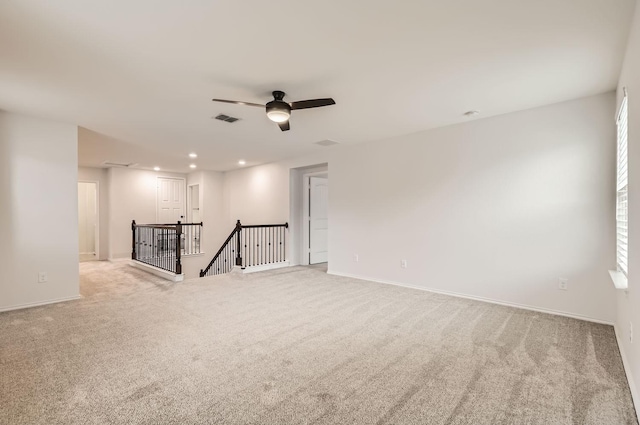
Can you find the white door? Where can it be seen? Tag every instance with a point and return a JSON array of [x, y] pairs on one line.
[[87, 217], [318, 219], [170, 200]]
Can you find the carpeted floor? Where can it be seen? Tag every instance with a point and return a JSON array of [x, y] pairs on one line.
[[297, 346]]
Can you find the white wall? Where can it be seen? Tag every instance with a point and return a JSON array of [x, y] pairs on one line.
[[132, 196], [257, 195], [498, 208], [629, 301], [39, 214], [100, 175]]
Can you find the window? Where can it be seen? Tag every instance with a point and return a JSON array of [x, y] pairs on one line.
[[622, 210]]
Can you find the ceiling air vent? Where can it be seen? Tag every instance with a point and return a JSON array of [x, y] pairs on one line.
[[119, 164], [326, 143], [227, 118]]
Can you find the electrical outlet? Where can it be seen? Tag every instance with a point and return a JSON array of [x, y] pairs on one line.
[[356, 257], [42, 277], [562, 283], [403, 264], [631, 332]]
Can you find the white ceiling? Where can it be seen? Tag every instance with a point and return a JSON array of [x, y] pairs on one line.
[[144, 71]]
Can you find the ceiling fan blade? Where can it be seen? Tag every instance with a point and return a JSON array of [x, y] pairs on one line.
[[314, 103], [238, 102], [284, 126]]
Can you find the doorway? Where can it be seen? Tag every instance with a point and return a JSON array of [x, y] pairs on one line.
[[316, 218], [171, 200], [194, 215], [88, 220]]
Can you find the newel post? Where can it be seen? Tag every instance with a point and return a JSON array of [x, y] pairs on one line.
[[238, 256], [178, 247], [133, 240]]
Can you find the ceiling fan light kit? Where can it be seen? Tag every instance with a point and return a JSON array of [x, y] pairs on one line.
[[279, 111]]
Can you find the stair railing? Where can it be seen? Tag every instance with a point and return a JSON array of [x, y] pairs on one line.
[[248, 246], [163, 245]]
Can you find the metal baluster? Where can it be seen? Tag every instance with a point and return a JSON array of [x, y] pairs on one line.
[[269, 260], [261, 242], [279, 244]]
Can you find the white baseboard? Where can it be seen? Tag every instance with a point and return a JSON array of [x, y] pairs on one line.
[[265, 267], [477, 298], [199, 254], [157, 271], [39, 303], [627, 370]]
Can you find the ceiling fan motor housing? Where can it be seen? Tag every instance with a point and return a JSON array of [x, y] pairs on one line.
[[278, 110]]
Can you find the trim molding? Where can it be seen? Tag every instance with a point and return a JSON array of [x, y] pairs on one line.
[[39, 303], [627, 370], [157, 271], [476, 298], [265, 267]]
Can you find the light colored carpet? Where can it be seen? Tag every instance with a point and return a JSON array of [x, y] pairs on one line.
[[298, 346]]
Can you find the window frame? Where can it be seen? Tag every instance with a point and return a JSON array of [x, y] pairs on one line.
[[622, 187]]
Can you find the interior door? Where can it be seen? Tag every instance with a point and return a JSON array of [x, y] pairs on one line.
[[171, 202], [318, 220]]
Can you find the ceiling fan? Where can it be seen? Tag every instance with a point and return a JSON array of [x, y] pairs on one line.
[[279, 111]]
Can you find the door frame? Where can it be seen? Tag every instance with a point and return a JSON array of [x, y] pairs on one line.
[[189, 212], [305, 213], [97, 230], [184, 186]]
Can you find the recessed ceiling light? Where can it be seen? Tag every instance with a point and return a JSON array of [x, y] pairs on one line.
[[193, 155], [156, 168], [192, 166], [470, 114], [242, 162]]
